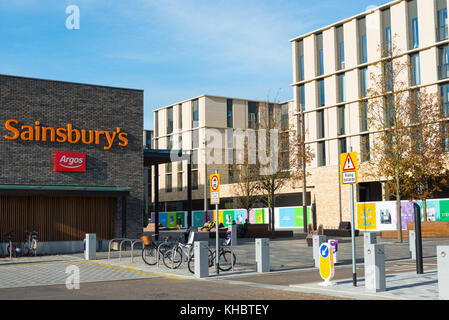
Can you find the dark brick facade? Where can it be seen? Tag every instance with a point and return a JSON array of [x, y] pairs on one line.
[[56, 104]]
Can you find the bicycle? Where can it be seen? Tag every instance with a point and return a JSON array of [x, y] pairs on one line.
[[179, 253], [150, 252], [226, 257]]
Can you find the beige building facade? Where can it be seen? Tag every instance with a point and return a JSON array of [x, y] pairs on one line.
[[331, 68], [331, 75]]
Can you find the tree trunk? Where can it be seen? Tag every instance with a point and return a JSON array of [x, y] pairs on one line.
[[272, 213], [398, 208], [424, 209]]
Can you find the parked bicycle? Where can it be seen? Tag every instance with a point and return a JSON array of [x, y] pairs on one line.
[[150, 250], [226, 260], [180, 253], [27, 248]]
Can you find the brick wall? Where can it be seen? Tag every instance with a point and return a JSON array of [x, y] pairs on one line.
[[56, 104]]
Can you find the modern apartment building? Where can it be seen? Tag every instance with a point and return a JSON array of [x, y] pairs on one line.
[[331, 68], [188, 124]]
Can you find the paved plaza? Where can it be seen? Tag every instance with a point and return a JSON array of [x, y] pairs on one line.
[[291, 265]]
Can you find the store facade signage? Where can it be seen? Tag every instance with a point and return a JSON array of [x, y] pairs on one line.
[[67, 134], [70, 161]]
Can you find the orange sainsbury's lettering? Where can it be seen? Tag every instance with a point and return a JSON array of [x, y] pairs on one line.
[[10, 128], [41, 132]]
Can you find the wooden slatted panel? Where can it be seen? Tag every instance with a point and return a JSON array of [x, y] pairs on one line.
[[57, 218]]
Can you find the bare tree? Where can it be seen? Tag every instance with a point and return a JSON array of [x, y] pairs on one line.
[[403, 124]]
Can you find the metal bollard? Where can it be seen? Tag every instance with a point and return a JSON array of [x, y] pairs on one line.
[[233, 229], [375, 280], [369, 238], [443, 272], [317, 241], [90, 246], [412, 244], [201, 254], [263, 255]]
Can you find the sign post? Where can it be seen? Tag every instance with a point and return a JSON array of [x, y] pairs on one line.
[[215, 199], [349, 175]]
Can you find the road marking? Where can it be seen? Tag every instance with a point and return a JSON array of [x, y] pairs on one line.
[[130, 270], [32, 264]]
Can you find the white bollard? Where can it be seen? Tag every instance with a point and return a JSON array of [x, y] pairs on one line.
[[90, 246], [443, 272], [201, 255], [263, 255], [369, 238], [317, 241], [412, 244], [375, 268]]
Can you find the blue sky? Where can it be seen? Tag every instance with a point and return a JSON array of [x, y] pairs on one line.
[[172, 49]]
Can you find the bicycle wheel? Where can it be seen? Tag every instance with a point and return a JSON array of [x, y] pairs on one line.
[[172, 258], [149, 255], [226, 261], [191, 262]]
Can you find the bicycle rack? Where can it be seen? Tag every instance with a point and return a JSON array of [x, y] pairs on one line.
[[133, 242], [109, 246]]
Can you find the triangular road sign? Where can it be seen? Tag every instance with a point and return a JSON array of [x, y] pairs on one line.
[[349, 164]]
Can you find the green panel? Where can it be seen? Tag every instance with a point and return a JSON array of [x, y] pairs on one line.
[[198, 219], [299, 219], [444, 210], [171, 219], [228, 216], [181, 216], [260, 216]]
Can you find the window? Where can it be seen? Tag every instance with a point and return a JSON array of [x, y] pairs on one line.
[[365, 147], [195, 139], [270, 115], [194, 159], [321, 154], [386, 25], [415, 72], [364, 116], [342, 146], [341, 120], [320, 124], [168, 182], [180, 117], [300, 61], [195, 113], [180, 181], [170, 120], [320, 69], [156, 125], [301, 98], [413, 24], [363, 53], [170, 142], [194, 180], [388, 75], [442, 21], [322, 95], [229, 113], [341, 88], [340, 49], [389, 111], [443, 59], [444, 93], [253, 114], [364, 81], [284, 116]]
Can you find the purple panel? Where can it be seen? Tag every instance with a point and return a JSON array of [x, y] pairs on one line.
[[252, 216], [407, 214]]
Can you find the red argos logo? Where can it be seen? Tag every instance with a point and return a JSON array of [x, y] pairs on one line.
[[70, 161]]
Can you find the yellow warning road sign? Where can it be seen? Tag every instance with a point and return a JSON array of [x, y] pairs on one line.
[[348, 168]]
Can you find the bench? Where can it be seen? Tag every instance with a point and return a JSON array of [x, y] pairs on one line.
[[344, 230], [257, 231], [212, 233]]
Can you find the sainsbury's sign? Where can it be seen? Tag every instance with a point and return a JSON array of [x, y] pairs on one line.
[[70, 161]]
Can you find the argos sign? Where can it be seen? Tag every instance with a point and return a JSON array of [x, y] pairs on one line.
[[70, 161]]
